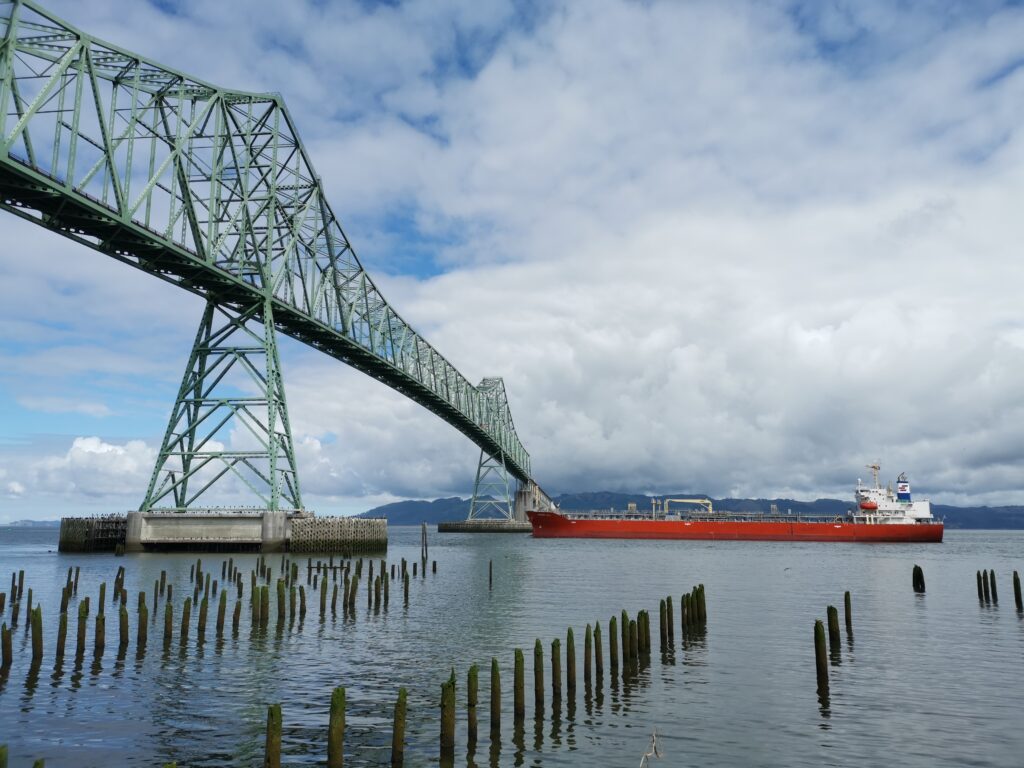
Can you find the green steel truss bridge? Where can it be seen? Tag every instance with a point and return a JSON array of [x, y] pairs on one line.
[[212, 190]]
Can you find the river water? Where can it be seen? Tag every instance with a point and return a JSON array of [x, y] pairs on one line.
[[927, 680]]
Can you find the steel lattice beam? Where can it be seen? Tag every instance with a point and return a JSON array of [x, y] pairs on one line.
[[212, 190]]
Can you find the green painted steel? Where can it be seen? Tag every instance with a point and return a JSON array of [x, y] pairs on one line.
[[212, 402], [212, 190]]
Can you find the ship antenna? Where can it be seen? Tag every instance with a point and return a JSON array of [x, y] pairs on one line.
[[874, 472]]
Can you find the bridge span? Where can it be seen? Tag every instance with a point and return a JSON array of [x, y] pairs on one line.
[[212, 190]]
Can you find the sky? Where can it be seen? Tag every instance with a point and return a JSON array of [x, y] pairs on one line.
[[734, 248]]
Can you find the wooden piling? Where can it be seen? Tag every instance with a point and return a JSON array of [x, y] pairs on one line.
[[556, 670], [670, 621], [992, 585], [490, 574], [142, 632], [103, 598], [848, 610], [406, 588], [624, 636], [334, 600], [62, 635], [495, 700], [598, 652], [6, 648], [264, 605], [588, 652], [918, 579], [984, 585], [302, 602], [634, 646], [186, 615], [201, 624], [613, 644], [662, 629], [472, 692], [376, 593], [83, 617], [820, 654], [570, 663], [100, 635], [122, 626], [36, 619], [336, 730], [236, 617], [1016, 591], [272, 749], [448, 718], [398, 729], [538, 678], [323, 599], [21, 583], [168, 621], [834, 638], [518, 687]]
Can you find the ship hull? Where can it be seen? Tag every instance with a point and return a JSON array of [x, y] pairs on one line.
[[552, 525]]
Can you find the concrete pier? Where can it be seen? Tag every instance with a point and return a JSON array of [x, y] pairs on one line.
[[485, 526], [226, 530]]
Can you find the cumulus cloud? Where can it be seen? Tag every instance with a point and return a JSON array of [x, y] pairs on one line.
[[738, 248]]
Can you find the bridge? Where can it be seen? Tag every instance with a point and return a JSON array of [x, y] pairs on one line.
[[212, 190]]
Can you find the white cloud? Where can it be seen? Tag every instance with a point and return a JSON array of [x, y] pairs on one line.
[[62, 405], [703, 254], [14, 488]]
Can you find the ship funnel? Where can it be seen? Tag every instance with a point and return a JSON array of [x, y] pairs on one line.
[[903, 488]]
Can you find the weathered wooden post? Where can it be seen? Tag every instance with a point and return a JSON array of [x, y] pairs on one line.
[[633, 641], [495, 700], [334, 599], [264, 605], [992, 585], [168, 622], [222, 608], [518, 687], [103, 598], [981, 591], [336, 730], [984, 584], [6, 647], [556, 670], [918, 579], [820, 654], [142, 632], [406, 589], [834, 639], [848, 609], [36, 619], [670, 621], [598, 652], [83, 617], [570, 664], [398, 730], [201, 625], [613, 644], [447, 716], [1016, 591], [123, 627], [490, 574], [272, 750], [101, 635], [236, 617], [662, 629], [538, 678], [588, 652], [186, 615], [472, 691], [62, 636], [302, 601]]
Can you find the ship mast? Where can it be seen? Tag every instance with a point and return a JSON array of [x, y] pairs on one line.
[[874, 472]]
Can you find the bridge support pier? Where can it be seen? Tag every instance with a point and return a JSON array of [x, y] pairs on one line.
[[491, 494], [230, 419]]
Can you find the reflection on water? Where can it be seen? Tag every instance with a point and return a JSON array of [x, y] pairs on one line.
[[746, 682]]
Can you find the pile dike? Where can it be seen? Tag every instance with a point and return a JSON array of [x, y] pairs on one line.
[[222, 530], [485, 526]]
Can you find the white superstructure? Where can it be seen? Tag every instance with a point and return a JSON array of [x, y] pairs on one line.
[[876, 504]]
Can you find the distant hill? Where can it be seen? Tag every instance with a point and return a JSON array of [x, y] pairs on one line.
[[415, 512], [35, 524]]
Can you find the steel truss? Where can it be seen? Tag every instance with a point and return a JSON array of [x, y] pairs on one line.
[[492, 494], [214, 409], [212, 190]]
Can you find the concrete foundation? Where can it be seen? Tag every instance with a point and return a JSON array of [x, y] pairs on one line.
[[485, 526], [223, 531]]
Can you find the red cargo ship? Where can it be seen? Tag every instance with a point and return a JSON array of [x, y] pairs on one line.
[[879, 516]]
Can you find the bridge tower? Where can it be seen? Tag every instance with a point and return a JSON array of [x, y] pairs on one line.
[[492, 498], [232, 395]]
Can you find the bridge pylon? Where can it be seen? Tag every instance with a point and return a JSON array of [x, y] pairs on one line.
[[230, 419], [492, 496]]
